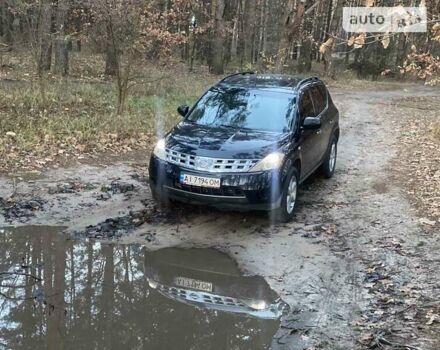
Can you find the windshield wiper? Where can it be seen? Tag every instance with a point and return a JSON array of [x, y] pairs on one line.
[[236, 127], [229, 126]]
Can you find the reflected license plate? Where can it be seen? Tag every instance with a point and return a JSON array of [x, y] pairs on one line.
[[193, 284], [200, 181]]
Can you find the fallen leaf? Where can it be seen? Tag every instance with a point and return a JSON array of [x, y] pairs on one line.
[[385, 41], [359, 41], [425, 221], [351, 40], [326, 46], [432, 319]]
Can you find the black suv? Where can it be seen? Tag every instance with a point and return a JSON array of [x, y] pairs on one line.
[[248, 143]]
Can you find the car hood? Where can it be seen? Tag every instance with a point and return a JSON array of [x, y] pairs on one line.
[[223, 142]]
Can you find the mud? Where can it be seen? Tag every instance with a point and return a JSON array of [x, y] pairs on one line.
[[20, 209], [355, 266]]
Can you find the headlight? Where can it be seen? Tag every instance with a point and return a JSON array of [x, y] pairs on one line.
[[159, 150], [152, 284], [270, 162], [255, 304]]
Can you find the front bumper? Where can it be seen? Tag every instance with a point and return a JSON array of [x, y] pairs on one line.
[[239, 191]]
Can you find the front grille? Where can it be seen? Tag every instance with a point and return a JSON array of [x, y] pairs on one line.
[[222, 191], [223, 303], [203, 297], [214, 165]]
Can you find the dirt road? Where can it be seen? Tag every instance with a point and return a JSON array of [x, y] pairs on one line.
[[356, 266]]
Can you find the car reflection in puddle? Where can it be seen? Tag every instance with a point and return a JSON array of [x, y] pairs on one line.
[[56, 293], [210, 279]]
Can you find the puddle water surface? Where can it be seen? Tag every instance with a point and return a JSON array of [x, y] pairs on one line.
[[61, 294]]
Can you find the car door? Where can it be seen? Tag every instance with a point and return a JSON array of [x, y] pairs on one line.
[[329, 115], [308, 139], [319, 98]]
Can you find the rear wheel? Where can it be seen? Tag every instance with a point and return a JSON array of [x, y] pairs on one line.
[[329, 164], [288, 197]]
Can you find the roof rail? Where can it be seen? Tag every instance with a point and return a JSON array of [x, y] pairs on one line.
[[307, 80], [235, 74]]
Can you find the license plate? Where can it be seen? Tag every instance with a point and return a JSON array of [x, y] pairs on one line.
[[193, 284], [200, 181]]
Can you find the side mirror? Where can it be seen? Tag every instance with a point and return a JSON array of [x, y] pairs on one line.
[[311, 123], [183, 110]]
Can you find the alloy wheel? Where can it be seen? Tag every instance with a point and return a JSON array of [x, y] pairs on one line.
[[332, 158], [291, 195]]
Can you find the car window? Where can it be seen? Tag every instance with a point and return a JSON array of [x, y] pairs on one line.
[[318, 99], [306, 105], [246, 109], [323, 92]]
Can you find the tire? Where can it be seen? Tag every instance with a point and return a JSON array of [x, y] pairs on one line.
[[287, 207], [329, 164]]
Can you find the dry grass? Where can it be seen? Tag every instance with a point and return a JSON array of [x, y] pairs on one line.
[[419, 153], [78, 114]]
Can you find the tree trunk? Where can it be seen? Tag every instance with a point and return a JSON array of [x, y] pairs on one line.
[[55, 287], [61, 66], [333, 31], [400, 52], [218, 40], [45, 52], [262, 47], [291, 23], [318, 23], [250, 24], [108, 296], [193, 52], [235, 35], [61, 57], [111, 55], [111, 62], [305, 59], [88, 290], [5, 23]]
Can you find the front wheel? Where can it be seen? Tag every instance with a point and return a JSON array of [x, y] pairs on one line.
[[288, 197], [329, 164]]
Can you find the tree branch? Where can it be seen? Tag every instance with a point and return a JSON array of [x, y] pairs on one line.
[[20, 274], [15, 299]]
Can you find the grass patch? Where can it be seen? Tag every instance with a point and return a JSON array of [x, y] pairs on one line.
[[79, 116], [81, 111], [85, 111]]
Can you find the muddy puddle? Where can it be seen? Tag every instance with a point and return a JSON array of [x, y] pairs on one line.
[[63, 294]]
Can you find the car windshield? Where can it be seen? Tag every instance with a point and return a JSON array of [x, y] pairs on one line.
[[247, 109]]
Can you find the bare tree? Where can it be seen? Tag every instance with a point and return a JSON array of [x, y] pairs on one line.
[[61, 65], [43, 40], [334, 26], [292, 18], [218, 40], [136, 30], [5, 23], [250, 23]]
